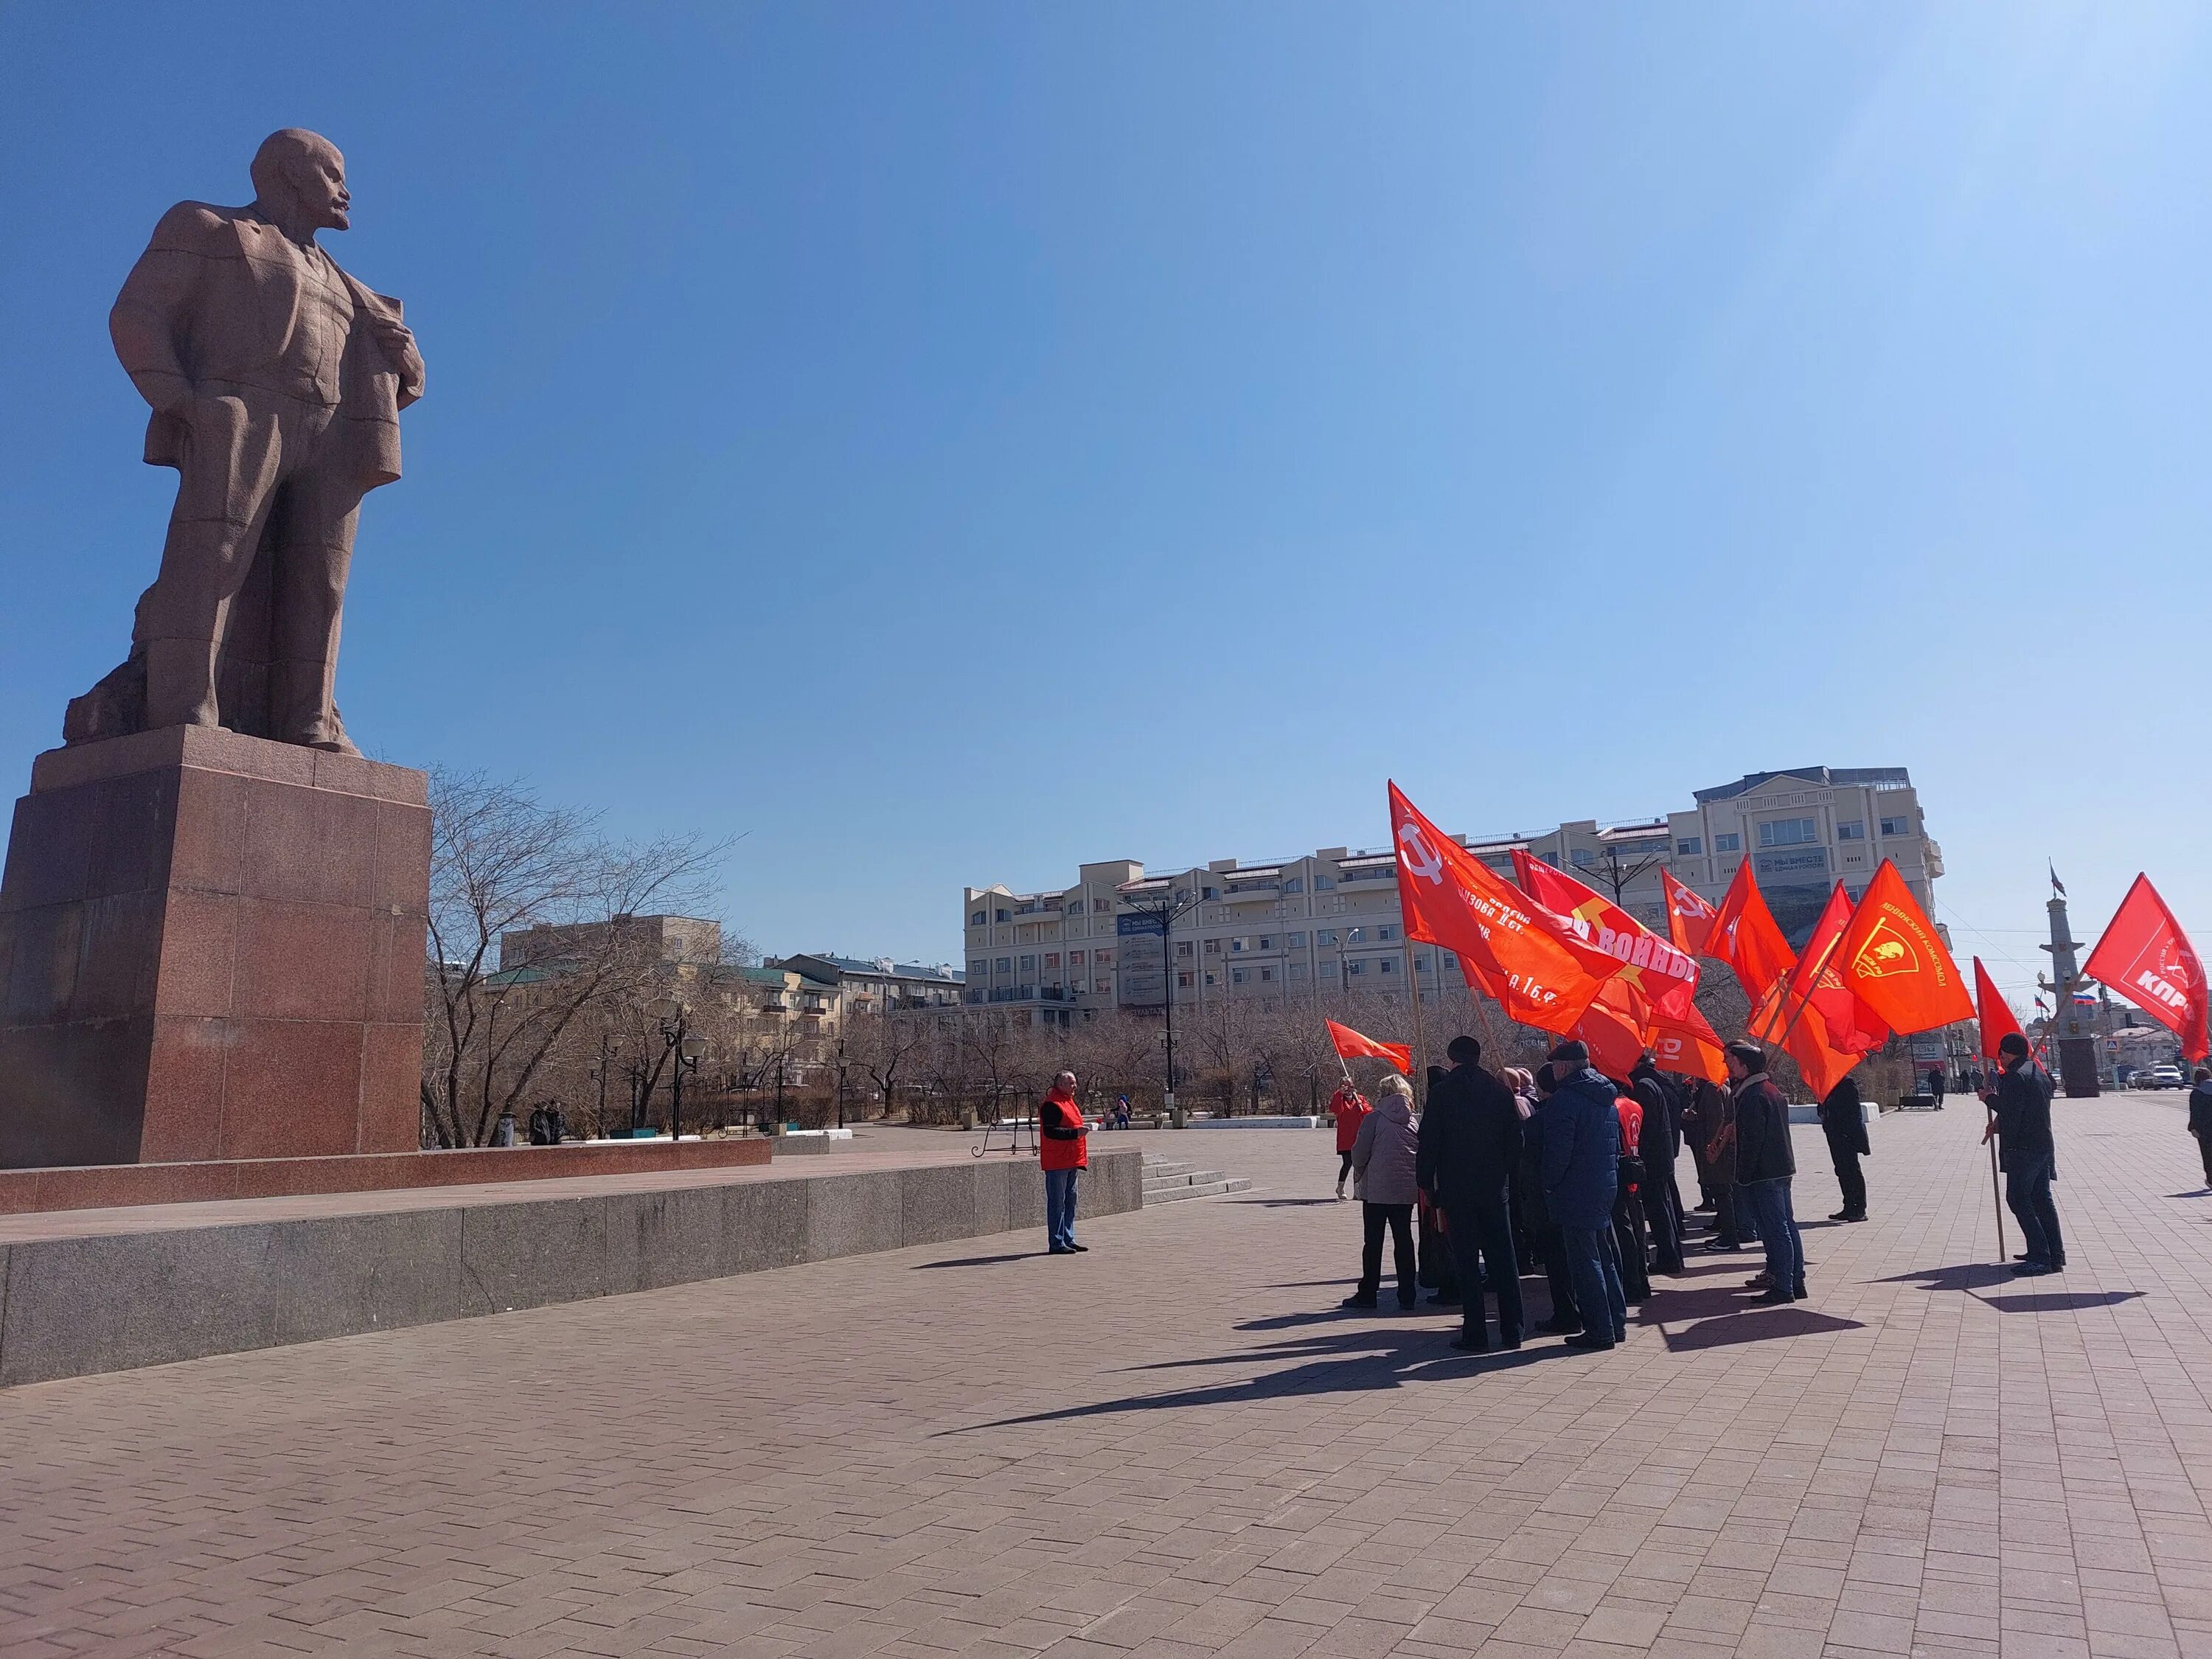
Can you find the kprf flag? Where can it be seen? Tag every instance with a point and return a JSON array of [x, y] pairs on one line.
[[1353, 1046], [1895, 963], [1817, 994], [1744, 935], [2148, 959], [1687, 1045], [1537, 965], [1659, 973], [1996, 1013], [1689, 918]]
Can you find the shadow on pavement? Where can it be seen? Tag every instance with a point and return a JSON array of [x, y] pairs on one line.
[[1756, 1325], [978, 1261], [1964, 1277], [1281, 1203], [1383, 1357], [2058, 1301]]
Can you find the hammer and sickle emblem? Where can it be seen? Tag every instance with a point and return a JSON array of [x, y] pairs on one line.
[[1420, 857]]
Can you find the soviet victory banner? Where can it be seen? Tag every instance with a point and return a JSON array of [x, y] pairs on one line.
[[1536, 965], [1660, 974]]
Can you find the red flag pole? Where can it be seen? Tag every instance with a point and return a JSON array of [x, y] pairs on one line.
[[1996, 1200], [1420, 1079]]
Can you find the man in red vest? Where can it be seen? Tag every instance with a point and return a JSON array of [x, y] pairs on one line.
[[1064, 1150]]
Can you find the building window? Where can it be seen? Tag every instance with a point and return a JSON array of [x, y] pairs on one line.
[[1851, 829], [979, 968], [1213, 979], [1386, 931], [1325, 936], [1297, 971], [1788, 832], [1004, 916], [1580, 858], [1006, 964], [1182, 947], [1267, 977], [979, 919], [1075, 907], [1689, 846], [1353, 970], [1420, 965], [1182, 978], [1102, 986], [1294, 884], [1052, 959], [1386, 965], [1730, 842], [1102, 958], [1209, 892], [1354, 935], [1897, 826], [1214, 947], [1101, 905], [1029, 964], [1235, 976], [1237, 946], [1322, 884], [1298, 941], [1075, 959]]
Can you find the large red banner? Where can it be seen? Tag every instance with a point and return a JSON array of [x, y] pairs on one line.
[[1660, 976], [1689, 918], [2148, 959], [1744, 935], [1896, 964], [1536, 964]]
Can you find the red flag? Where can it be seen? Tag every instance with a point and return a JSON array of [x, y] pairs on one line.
[[1659, 973], [1817, 993], [1537, 965], [1743, 934], [1352, 1046], [1997, 1015], [1689, 918], [1614, 1027], [1688, 1046], [1894, 961], [2148, 959]]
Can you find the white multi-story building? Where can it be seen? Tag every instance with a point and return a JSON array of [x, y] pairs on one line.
[[1330, 919]]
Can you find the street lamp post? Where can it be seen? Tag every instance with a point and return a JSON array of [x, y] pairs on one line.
[[1165, 909], [684, 1051]]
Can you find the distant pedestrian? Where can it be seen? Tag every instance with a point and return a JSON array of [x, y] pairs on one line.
[[1935, 1086], [1843, 1121], [1121, 1112], [1384, 1151], [1469, 1145], [2019, 1117], [2200, 1118], [1765, 1165], [1064, 1151], [1582, 1175], [1348, 1107]]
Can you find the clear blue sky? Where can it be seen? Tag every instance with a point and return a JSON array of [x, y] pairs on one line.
[[945, 443]]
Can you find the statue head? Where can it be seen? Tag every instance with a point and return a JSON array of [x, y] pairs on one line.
[[299, 179]]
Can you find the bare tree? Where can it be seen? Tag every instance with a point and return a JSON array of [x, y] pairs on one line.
[[502, 861]]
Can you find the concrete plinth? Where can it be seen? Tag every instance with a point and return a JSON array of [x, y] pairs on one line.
[[211, 948]]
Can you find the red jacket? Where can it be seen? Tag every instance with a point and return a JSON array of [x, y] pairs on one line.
[[1631, 1110], [1349, 1106], [1063, 1137]]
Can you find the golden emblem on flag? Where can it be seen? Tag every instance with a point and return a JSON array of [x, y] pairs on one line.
[[1887, 952]]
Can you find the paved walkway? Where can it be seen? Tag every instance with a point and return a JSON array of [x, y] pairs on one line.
[[1175, 1446]]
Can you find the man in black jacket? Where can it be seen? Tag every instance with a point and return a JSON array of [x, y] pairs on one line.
[[1842, 1119], [1765, 1163], [2019, 1117], [2200, 1118], [1656, 1147], [1470, 1141]]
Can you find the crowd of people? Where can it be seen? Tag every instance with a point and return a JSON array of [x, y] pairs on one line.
[[1574, 1173]]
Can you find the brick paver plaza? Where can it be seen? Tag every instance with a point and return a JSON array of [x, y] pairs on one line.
[[1177, 1446]]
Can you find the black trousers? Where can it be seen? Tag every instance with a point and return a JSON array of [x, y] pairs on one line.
[[1844, 1155], [1481, 1237], [1662, 1218], [1398, 1218], [1628, 1238], [2204, 1152]]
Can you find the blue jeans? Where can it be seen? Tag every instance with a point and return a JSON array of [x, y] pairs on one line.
[[1593, 1265], [1778, 1230], [1060, 1207], [2028, 1196]]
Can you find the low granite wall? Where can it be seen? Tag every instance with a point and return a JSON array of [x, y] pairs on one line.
[[73, 1306]]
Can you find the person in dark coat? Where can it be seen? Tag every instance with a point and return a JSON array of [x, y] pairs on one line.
[[1714, 1116], [2200, 1117], [1843, 1121], [1438, 1272], [1935, 1086], [1565, 1318], [1470, 1141], [1582, 1176], [2019, 1117], [1765, 1165], [1656, 1145]]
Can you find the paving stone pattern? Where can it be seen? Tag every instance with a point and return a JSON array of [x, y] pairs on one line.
[[1175, 1446]]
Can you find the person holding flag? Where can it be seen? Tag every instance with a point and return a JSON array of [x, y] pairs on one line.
[[2020, 1120], [1347, 1105], [1350, 1108]]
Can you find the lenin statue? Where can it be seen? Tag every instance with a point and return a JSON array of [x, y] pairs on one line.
[[277, 382]]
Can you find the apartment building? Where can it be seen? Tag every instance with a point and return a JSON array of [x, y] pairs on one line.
[[877, 985], [1330, 919]]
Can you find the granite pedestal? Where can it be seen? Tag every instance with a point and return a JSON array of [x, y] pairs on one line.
[[211, 947]]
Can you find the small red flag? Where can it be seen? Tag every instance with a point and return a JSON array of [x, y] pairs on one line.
[[2148, 959], [1353, 1046], [1997, 1015], [1894, 961], [1688, 1046], [1536, 964], [1689, 918]]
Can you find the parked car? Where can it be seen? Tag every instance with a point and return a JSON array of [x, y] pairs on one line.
[[2160, 1077]]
